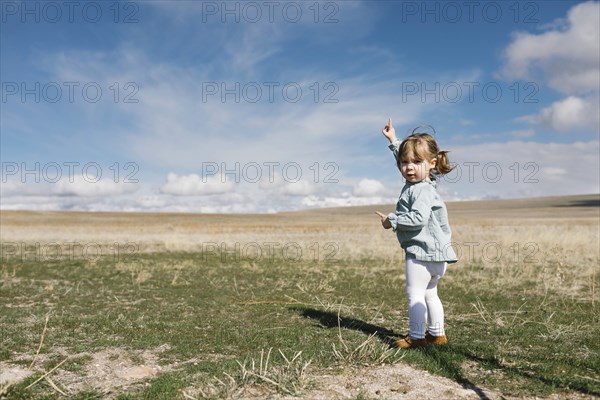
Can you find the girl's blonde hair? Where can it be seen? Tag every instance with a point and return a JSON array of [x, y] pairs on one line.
[[422, 146]]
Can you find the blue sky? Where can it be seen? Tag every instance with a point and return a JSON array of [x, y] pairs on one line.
[[261, 106]]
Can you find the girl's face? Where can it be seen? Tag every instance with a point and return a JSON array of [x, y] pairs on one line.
[[415, 170]]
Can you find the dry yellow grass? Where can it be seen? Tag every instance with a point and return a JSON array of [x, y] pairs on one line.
[[572, 220], [558, 235], [525, 253]]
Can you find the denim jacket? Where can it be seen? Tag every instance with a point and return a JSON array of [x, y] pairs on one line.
[[421, 221]]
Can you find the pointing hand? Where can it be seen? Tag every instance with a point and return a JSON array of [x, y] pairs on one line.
[[385, 222], [389, 131]]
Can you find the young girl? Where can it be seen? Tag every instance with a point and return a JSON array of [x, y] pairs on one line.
[[421, 224]]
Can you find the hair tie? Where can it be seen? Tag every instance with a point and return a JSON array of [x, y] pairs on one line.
[[423, 129]]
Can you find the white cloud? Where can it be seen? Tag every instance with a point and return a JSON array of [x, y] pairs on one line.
[[344, 200], [368, 188], [195, 185], [287, 179], [553, 173], [11, 187], [568, 55], [258, 43], [523, 169], [173, 129], [485, 170], [301, 188], [89, 188], [569, 114], [522, 133], [76, 186]]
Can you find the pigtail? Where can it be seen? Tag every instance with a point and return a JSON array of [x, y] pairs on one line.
[[443, 165]]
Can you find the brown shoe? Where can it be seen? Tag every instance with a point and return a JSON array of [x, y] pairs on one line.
[[435, 340], [410, 343]]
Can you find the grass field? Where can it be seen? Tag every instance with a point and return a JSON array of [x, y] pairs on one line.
[[180, 306]]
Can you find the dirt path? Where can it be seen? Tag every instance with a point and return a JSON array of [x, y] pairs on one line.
[[114, 372], [398, 381], [394, 382]]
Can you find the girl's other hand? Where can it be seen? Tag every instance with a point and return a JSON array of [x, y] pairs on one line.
[[385, 221], [389, 131]]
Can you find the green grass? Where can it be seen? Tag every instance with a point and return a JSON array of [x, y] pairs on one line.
[[236, 323]]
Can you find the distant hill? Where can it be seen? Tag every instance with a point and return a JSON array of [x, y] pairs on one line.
[[588, 204], [586, 200], [577, 205]]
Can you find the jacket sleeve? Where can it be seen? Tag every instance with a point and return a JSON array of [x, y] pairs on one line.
[[421, 203], [394, 147]]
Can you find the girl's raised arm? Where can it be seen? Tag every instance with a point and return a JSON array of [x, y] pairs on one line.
[[389, 131]]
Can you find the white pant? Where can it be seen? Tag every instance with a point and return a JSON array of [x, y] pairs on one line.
[[425, 310]]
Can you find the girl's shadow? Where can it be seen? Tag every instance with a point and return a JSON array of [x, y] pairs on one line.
[[332, 320], [444, 358], [387, 336]]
